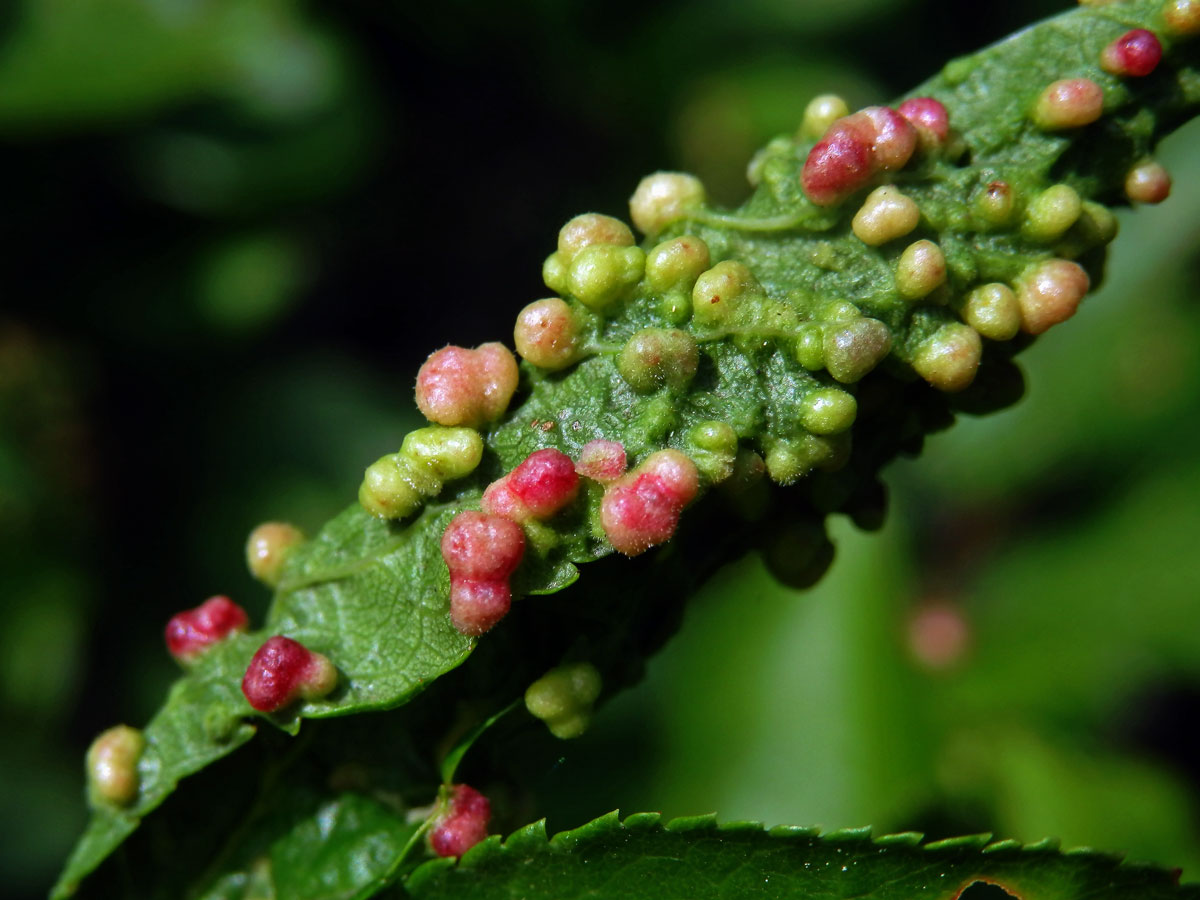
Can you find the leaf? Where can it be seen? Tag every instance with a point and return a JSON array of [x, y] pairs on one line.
[[373, 596], [697, 859]]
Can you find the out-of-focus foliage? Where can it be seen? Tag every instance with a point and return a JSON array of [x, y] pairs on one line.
[[233, 228]]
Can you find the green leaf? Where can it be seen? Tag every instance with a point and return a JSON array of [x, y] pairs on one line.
[[373, 596], [697, 859]]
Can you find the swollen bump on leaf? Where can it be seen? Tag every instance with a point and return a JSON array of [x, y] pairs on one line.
[[1068, 103], [563, 698], [461, 821], [642, 509], [921, 269], [949, 359], [655, 358], [541, 485], [112, 766], [283, 671], [267, 549], [1049, 293], [1148, 182], [546, 334], [457, 386], [191, 632], [601, 460], [662, 198], [1135, 54], [481, 552], [821, 112]]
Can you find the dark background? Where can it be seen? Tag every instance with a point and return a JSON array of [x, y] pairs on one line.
[[230, 231]]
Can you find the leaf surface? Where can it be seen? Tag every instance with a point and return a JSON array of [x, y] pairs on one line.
[[697, 859]]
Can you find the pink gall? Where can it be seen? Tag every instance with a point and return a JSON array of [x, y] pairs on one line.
[[538, 488], [838, 165], [193, 631], [462, 823], [481, 552], [283, 671], [602, 461], [929, 117], [457, 386], [1136, 54], [894, 139], [642, 509]]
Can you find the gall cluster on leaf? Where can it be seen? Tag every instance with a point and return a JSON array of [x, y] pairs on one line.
[[876, 139]]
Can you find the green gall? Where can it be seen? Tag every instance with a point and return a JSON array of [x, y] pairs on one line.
[[996, 203], [840, 311], [112, 766], [267, 549], [658, 357], [993, 311], [662, 198], [720, 291], [555, 273], [921, 269], [1049, 292], [603, 274], [713, 447], [1069, 103], [821, 112], [789, 459], [1097, 223], [1051, 213], [809, 346], [448, 453], [677, 263], [397, 485], [590, 229], [1148, 182], [855, 348], [386, 490], [1095, 227], [546, 334], [1182, 17], [563, 698], [885, 215], [949, 359], [828, 411]]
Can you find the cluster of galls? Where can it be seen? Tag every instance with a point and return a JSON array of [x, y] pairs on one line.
[[482, 549], [280, 672], [857, 150]]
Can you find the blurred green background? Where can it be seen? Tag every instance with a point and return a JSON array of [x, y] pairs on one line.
[[232, 229]]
